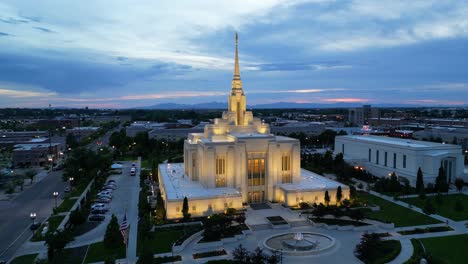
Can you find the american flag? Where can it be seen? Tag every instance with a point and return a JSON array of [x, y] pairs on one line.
[[123, 228]]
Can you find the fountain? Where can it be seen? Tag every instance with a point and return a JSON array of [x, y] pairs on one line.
[[300, 243]]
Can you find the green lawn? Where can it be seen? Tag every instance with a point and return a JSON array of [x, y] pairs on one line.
[[385, 251], [146, 164], [54, 222], [161, 241], [446, 206], [70, 256], [66, 205], [390, 212], [448, 249], [98, 252], [25, 259]]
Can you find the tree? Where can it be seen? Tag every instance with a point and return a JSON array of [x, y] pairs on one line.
[[113, 237], [429, 207], [160, 209], [77, 217], [339, 195], [240, 254], [56, 242], [327, 198], [357, 215], [19, 181], [459, 184], [367, 247], [441, 184], [419, 182], [257, 256], [185, 209], [30, 174], [352, 193]]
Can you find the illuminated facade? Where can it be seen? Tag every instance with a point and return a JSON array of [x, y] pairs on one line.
[[236, 160]]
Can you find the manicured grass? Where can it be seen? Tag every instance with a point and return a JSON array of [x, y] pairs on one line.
[[66, 205], [390, 212], [98, 252], [70, 256], [418, 252], [449, 249], [446, 206], [25, 259], [54, 222], [146, 164], [161, 241]]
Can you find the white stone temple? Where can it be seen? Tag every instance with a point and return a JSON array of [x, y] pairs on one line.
[[236, 161]]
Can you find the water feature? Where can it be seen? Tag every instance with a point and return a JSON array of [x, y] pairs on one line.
[[300, 243]]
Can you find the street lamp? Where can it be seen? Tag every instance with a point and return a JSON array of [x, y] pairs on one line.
[[55, 196], [71, 180], [33, 217]]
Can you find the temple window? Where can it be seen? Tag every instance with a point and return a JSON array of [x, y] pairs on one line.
[[286, 168], [220, 180]]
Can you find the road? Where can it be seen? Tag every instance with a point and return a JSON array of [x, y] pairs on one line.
[[14, 215]]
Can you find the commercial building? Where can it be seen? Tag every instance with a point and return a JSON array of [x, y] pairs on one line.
[[25, 155], [82, 132], [10, 138], [360, 115], [236, 160], [382, 156]]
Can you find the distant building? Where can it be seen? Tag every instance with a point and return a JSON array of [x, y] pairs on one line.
[[382, 156], [308, 128], [454, 135], [10, 138], [25, 155], [82, 132], [360, 115]]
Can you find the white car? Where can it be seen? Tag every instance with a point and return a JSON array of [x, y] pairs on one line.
[[108, 192], [99, 206]]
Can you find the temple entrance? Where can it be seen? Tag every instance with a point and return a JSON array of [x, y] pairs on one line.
[[256, 180], [256, 197]]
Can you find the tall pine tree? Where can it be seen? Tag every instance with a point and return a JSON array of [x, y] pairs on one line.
[[327, 198], [420, 182], [441, 184], [185, 209], [339, 195]]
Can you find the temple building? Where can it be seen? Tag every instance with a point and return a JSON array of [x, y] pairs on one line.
[[236, 161]]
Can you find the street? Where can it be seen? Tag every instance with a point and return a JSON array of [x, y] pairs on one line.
[[14, 215]]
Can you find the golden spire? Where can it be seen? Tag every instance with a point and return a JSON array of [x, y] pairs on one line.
[[236, 80]]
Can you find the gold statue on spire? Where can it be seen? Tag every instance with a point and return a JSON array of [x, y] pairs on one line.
[[237, 103]]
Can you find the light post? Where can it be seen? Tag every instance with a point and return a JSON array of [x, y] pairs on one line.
[[71, 181], [55, 196], [33, 218]]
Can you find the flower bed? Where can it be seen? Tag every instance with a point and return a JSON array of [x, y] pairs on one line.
[[426, 230], [209, 254], [167, 259], [339, 222], [276, 220]]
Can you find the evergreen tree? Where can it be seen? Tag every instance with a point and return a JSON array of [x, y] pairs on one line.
[[160, 209], [352, 193], [339, 195], [420, 182], [185, 209], [441, 184], [113, 237], [327, 198], [459, 184], [30, 174], [240, 254]]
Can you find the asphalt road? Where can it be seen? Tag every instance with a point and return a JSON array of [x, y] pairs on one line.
[[14, 215]]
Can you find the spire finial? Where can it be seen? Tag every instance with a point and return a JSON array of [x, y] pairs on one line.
[[236, 62]]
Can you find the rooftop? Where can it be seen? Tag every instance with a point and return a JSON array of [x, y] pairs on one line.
[[398, 141], [34, 146], [178, 185], [311, 181]]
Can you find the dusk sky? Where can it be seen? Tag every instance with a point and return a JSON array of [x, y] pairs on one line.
[[118, 54]]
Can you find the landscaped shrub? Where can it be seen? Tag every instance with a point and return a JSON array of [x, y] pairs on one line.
[[209, 254]]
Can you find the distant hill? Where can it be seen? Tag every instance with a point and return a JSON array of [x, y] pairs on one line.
[[278, 105]]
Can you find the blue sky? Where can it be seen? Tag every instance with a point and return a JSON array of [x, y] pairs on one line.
[[112, 54]]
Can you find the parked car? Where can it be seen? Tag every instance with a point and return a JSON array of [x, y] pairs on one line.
[[103, 200], [105, 196], [96, 218], [132, 172], [100, 206], [110, 186], [111, 181], [109, 192], [35, 226], [98, 212], [133, 165], [67, 189]]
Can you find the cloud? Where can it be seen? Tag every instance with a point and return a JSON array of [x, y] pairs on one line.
[[4, 34], [345, 100], [46, 30], [24, 94]]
